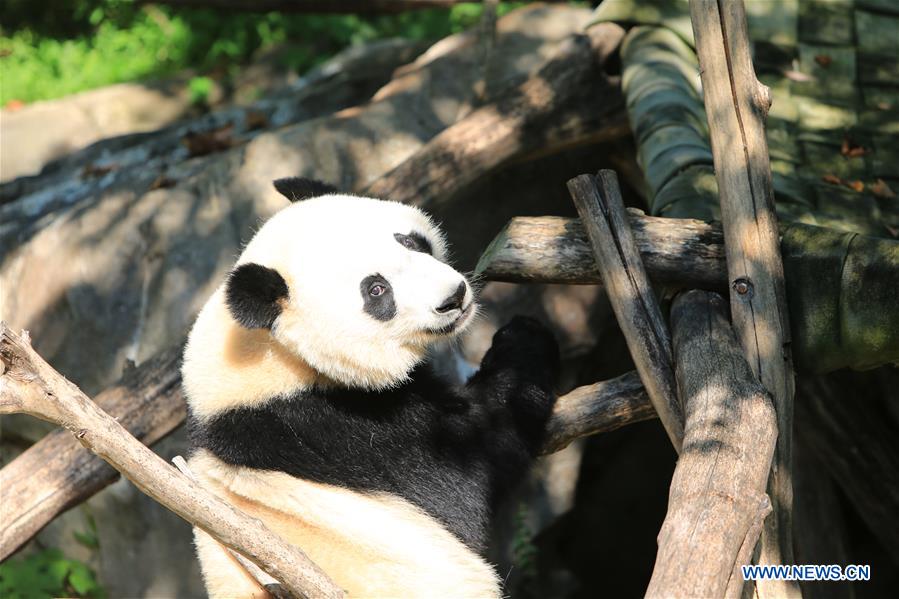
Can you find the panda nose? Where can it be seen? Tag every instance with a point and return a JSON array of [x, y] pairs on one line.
[[453, 302]]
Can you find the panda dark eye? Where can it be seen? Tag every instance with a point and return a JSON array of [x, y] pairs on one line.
[[414, 241], [377, 290]]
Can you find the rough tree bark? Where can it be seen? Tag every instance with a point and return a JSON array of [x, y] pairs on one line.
[[555, 249], [598, 201], [29, 385], [597, 408], [717, 502], [552, 109], [737, 105]]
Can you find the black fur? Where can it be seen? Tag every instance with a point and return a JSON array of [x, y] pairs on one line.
[[380, 307], [454, 452], [253, 293], [301, 188], [415, 242]]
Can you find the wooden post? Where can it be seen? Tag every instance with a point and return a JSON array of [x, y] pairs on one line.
[[717, 502], [737, 105], [630, 294]]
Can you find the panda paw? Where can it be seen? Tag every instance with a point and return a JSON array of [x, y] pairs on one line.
[[525, 344]]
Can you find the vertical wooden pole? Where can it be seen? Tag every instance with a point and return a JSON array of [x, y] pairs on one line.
[[598, 201], [737, 105], [717, 503]]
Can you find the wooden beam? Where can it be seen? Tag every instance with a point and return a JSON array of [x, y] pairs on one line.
[[737, 105], [717, 502], [597, 408], [29, 385], [554, 109], [598, 201], [555, 249]]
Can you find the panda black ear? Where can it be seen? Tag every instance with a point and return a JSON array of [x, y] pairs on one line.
[[301, 188], [253, 294]]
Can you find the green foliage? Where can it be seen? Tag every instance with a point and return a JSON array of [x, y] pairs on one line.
[[200, 88], [47, 574], [56, 47], [524, 552], [89, 537]]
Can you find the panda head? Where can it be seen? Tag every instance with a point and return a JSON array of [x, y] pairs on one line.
[[356, 288]]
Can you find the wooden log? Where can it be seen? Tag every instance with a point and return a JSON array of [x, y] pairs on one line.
[[554, 109], [597, 408], [57, 472], [717, 502], [29, 385], [555, 249], [737, 105], [598, 201]]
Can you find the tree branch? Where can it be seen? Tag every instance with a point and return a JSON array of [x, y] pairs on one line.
[[552, 110], [30, 385], [598, 201], [56, 472]]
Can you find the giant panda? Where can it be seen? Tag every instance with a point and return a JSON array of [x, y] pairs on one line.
[[313, 408]]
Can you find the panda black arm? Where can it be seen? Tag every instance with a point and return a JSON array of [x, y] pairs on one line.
[[517, 375]]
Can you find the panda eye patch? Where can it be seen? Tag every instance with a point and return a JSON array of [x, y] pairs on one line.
[[377, 297], [414, 241]]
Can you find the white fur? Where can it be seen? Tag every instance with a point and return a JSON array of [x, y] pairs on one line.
[[323, 248], [371, 545]]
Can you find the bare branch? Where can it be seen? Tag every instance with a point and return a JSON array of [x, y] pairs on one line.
[[552, 110], [37, 389], [597, 408], [598, 201], [57, 472]]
